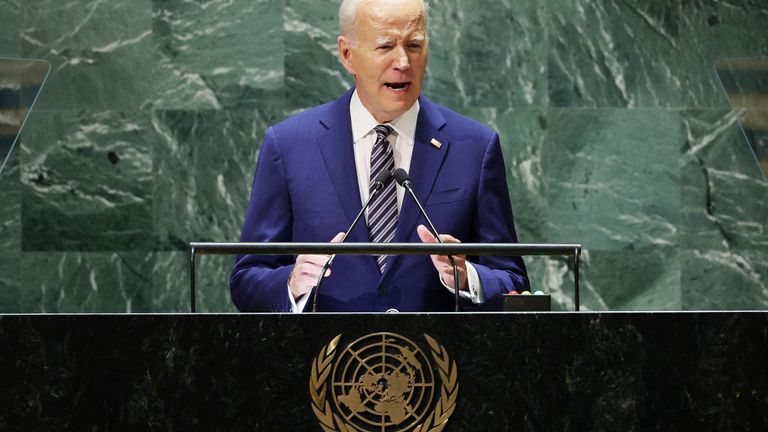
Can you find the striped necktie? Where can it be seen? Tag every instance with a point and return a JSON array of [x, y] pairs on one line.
[[382, 215]]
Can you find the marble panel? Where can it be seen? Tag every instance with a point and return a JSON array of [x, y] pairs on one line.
[[646, 278], [754, 123], [87, 181], [100, 52], [723, 279], [313, 72], [725, 215], [10, 22], [203, 171], [10, 235], [612, 177], [218, 72], [10, 205], [171, 284], [724, 201], [554, 276], [610, 53], [10, 284], [218, 54], [643, 279], [72, 282], [522, 132], [487, 55], [710, 30]]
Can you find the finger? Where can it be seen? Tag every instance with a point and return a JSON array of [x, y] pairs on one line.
[[425, 235], [317, 260], [445, 269], [447, 273], [300, 284], [447, 238], [444, 260], [314, 272], [308, 270], [299, 290], [312, 268], [444, 266], [337, 238]]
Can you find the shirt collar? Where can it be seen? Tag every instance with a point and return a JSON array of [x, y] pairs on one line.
[[363, 122]]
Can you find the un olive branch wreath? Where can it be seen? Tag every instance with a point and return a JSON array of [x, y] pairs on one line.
[[332, 422]]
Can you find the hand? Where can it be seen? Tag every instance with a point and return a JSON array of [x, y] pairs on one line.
[[306, 271], [441, 262]]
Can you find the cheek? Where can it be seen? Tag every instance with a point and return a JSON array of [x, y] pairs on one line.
[[420, 61], [371, 69]]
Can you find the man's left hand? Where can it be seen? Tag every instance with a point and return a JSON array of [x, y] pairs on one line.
[[442, 263]]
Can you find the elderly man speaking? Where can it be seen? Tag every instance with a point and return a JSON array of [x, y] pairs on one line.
[[316, 169]]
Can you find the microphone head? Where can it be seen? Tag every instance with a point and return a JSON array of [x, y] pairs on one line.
[[382, 180], [401, 176]]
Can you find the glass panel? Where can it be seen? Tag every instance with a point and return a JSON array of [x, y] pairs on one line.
[[20, 82], [745, 81]]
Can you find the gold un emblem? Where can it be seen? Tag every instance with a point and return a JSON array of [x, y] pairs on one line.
[[383, 382]]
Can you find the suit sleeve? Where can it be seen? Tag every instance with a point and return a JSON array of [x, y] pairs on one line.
[[493, 223], [258, 282]]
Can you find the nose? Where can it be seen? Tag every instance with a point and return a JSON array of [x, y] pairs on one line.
[[402, 62]]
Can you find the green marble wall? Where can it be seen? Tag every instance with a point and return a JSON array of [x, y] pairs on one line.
[[615, 129]]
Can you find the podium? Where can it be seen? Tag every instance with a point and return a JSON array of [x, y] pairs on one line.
[[514, 371], [511, 249]]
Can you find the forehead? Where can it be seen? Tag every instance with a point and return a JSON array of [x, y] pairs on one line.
[[405, 16]]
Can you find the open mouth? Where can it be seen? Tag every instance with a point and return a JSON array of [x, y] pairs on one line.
[[400, 86]]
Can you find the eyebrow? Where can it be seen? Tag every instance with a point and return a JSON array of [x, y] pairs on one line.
[[385, 40]]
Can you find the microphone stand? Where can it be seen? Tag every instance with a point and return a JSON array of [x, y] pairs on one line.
[[381, 181], [402, 179]]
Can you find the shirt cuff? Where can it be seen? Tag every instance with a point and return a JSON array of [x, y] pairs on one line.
[[475, 293]]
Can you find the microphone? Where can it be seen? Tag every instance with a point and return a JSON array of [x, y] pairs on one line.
[[380, 182], [401, 176]]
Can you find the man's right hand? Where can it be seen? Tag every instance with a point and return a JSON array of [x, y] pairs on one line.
[[306, 271]]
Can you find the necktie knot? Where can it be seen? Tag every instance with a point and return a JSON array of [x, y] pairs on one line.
[[382, 131]]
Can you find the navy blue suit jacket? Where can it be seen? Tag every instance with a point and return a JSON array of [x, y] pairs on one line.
[[305, 190]]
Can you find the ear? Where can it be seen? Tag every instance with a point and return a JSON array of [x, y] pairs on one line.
[[345, 54]]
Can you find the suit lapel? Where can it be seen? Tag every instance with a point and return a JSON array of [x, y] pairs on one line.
[[336, 147], [426, 161], [338, 154]]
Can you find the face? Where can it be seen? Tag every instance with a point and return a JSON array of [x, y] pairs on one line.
[[387, 55]]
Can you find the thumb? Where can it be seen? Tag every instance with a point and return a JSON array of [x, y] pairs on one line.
[[425, 235], [337, 238]]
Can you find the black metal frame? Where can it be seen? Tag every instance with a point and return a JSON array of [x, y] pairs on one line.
[[509, 249]]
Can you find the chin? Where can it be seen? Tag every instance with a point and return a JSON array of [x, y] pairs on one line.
[[401, 102], [396, 110]]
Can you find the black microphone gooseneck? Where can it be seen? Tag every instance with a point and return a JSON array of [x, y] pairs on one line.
[[381, 181], [401, 176]]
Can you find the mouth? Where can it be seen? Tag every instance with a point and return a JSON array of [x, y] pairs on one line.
[[398, 86]]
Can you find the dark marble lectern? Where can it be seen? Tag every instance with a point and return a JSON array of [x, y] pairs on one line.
[[524, 371]]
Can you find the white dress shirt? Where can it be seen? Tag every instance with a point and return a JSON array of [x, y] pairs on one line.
[[401, 140]]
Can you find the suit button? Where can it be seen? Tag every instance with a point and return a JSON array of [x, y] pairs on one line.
[[382, 289]]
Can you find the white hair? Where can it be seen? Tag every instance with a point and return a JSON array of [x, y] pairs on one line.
[[348, 13]]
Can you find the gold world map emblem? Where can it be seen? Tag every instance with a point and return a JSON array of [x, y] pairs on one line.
[[383, 382]]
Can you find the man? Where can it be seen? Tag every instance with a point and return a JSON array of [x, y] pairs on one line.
[[315, 170]]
